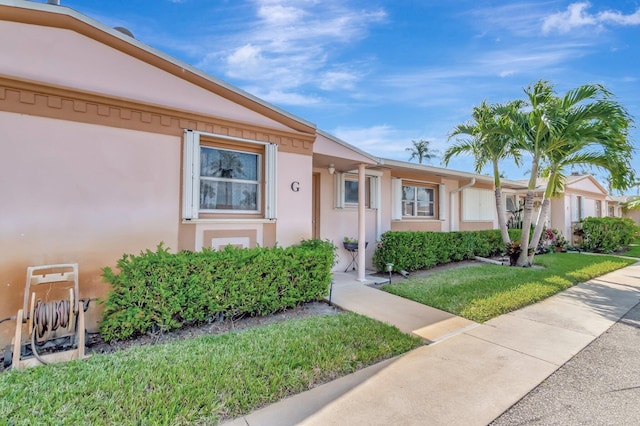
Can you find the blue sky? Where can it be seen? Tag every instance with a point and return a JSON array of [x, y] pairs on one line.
[[379, 74]]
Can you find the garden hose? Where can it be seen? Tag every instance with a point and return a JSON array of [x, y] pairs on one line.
[[48, 317], [7, 319]]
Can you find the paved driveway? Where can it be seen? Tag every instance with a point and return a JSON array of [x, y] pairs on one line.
[[599, 386]]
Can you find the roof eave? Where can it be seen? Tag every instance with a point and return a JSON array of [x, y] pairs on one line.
[[67, 18]]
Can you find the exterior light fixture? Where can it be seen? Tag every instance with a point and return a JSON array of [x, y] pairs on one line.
[[332, 169], [389, 269]]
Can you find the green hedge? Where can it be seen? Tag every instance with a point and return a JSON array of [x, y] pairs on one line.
[[411, 251], [163, 290], [607, 234]]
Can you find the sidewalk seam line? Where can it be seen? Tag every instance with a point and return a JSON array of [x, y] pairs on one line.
[[524, 353]]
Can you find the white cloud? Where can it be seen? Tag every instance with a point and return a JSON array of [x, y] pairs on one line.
[[285, 97], [291, 44], [332, 80], [620, 19], [249, 57], [577, 16], [383, 140], [574, 16], [518, 18], [279, 15]]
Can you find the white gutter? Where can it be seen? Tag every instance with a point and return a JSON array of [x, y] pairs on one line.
[[452, 211]]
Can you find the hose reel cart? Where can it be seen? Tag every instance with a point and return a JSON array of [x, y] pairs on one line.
[[55, 327]]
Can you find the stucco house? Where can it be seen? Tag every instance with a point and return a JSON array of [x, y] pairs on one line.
[[110, 147], [583, 196]]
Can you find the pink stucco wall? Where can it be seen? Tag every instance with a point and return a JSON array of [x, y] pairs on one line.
[[335, 224], [52, 55], [294, 207], [74, 192]]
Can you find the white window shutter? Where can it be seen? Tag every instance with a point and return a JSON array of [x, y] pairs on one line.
[[374, 183], [442, 205], [270, 185], [478, 205], [191, 172], [575, 208], [396, 199], [338, 191]]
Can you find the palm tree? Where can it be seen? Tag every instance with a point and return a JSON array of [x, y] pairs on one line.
[[533, 126], [584, 127], [490, 142], [421, 150]]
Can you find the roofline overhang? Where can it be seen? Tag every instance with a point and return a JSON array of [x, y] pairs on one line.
[[374, 160], [63, 17], [445, 172]]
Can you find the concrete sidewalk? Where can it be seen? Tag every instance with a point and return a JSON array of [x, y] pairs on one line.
[[471, 377]]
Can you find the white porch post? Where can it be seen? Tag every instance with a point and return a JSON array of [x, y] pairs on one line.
[[361, 222]]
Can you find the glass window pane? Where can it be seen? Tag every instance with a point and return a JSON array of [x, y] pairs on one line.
[[424, 194], [351, 191], [425, 201], [408, 193], [225, 164], [407, 208], [216, 195]]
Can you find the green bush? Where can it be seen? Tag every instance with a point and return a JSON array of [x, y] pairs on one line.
[[163, 290], [411, 251], [607, 234]]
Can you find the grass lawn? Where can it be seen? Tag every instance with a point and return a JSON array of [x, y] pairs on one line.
[[634, 250], [202, 380], [482, 292]]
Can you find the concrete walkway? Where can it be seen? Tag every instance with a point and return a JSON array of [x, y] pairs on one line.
[[410, 317], [471, 375]]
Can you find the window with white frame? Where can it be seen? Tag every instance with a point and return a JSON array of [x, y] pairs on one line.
[[598, 208], [351, 190], [612, 210], [347, 190], [228, 175], [418, 201], [412, 200]]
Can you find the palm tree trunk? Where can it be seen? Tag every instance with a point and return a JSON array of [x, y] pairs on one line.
[[502, 222], [528, 213], [526, 229], [537, 233]]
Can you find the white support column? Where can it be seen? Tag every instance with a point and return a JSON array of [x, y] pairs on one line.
[[361, 222]]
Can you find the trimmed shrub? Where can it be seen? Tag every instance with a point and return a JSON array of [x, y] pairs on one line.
[[607, 234], [163, 290], [411, 251]]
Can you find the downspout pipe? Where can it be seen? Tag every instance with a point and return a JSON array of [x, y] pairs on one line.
[[453, 211]]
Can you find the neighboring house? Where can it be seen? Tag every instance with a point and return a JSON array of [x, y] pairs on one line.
[[617, 208], [633, 214], [583, 196], [398, 196]]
